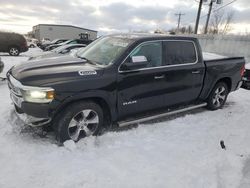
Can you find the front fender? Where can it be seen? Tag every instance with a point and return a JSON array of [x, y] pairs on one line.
[[108, 97]]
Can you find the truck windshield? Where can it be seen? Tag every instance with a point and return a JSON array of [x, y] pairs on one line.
[[105, 50]]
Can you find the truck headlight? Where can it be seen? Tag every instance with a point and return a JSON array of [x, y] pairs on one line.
[[31, 93], [38, 95]]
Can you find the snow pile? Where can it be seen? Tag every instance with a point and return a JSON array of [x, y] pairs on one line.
[[181, 152], [211, 56]]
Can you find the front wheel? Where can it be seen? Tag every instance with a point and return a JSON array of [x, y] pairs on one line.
[[218, 96], [78, 121]]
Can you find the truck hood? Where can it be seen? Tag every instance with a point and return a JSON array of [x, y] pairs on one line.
[[48, 54], [55, 69]]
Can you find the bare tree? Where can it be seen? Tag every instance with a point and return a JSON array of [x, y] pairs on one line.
[[183, 30], [228, 21], [221, 23], [190, 29]]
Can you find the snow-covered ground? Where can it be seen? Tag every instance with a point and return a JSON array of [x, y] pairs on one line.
[[179, 152]]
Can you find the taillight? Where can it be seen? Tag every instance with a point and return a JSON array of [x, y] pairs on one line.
[[242, 71]]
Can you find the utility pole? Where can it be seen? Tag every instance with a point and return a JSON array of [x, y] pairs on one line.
[[179, 20], [210, 10], [198, 17], [208, 15]]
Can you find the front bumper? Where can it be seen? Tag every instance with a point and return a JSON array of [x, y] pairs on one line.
[[31, 120], [24, 49], [33, 114]]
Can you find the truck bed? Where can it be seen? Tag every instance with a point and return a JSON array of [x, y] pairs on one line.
[[226, 67]]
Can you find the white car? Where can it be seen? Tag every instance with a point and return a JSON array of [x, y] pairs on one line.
[[31, 43]]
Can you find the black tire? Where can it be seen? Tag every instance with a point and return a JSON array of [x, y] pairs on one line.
[[14, 51], [32, 46], [218, 96], [61, 123]]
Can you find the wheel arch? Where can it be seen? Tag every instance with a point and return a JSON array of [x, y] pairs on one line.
[[227, 81], [102, 102], [13, 46], [214, 105]]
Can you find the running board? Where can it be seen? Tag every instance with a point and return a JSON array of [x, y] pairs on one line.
[[141, 120]]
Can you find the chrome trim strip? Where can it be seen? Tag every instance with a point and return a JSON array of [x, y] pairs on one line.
[[19, 85], [149, 68], [17, 100], [126, 123]]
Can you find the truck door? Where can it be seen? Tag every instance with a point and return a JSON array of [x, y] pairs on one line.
[[141, 89], [184, 72]]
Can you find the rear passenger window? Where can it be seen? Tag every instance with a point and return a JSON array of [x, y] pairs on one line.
[[179, 52], [152, 51]]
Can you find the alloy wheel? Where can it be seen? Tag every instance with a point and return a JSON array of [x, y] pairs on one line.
[[14, 51], [219, 97], [83, 124]]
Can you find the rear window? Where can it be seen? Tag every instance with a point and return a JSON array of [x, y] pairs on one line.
[[179, 52]]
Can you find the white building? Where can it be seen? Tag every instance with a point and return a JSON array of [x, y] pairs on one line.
[[52, 31]]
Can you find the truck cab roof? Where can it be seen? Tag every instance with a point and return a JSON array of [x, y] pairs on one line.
[[152, 36]]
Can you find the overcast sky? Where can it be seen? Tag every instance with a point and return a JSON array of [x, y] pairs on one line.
[[112, 15]]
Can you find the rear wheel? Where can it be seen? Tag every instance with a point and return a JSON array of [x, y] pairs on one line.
[[14, 51], [78, 121], [218, 96]]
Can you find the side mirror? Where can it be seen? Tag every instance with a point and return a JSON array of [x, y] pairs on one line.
[[136, 62]]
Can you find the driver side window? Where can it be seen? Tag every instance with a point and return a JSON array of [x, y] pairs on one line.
[[152, 51]]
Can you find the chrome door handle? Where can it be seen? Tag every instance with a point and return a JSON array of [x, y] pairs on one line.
[[196, 72], [159, 77]]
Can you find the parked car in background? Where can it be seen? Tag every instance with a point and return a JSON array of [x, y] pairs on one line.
[[246, 78], [31, 43], [43, 41], [120, 80], [13, 43], [56, 41], [73, 41], [62, 50]]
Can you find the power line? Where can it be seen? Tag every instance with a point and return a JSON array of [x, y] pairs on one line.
[[224, 6], [205, 15]]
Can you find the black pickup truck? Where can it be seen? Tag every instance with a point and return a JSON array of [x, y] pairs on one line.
[[119, 80]]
